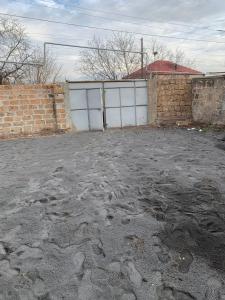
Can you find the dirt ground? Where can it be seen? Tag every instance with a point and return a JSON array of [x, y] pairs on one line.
[[120, 215]]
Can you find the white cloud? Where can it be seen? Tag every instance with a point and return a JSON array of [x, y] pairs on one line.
[[49, 3]]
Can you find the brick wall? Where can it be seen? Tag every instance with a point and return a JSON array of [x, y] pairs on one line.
[[174, 100], [208, 104], [27, 109], [171, 100]]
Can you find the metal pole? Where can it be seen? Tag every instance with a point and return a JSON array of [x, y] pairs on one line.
[[95, 48], [103, 107], [121, 123], [142, 58], [135, 103], [88, 111], [21, 63], [73, 46], [88, 47]]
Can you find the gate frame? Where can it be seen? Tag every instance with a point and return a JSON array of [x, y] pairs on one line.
[[103, 106]]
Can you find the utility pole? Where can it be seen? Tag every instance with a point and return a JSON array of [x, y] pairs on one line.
[[142, 58]]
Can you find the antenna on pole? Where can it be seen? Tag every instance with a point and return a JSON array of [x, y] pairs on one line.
[[154, 54]]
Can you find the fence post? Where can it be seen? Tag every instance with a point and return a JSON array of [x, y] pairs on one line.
[[152, 100]]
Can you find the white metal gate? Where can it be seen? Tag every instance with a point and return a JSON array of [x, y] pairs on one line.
[[108, 104]]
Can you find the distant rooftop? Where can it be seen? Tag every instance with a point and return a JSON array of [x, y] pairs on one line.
[[163, 67]]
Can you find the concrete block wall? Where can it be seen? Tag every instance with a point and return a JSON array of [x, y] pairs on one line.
[[208, 103], [28, 109], [170, 100]]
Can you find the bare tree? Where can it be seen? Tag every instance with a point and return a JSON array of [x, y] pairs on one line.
[[101, 64], [48, 71], [15, 47], [159, 51]]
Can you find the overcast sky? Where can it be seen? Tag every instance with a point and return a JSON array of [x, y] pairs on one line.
[[192, 19]]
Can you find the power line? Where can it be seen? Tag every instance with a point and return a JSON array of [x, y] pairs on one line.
[[135, 17], [121, 21], [105, 18], [52, 36], [144, 19], [111, 30], [67, 38]]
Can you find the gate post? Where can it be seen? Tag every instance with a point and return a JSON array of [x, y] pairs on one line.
[[152, 100], [103, 107], [67, 106]]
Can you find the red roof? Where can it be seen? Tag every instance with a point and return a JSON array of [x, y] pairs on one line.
[[163, 67]]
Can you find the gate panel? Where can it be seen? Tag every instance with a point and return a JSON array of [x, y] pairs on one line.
[[95, 119], [94, 99], [141, 106], [112, 107], [141, 96], [112, 98], [141, 115], [127, 96], [113, 117], [128, 113], [78, 99], [86, 105], [79, 112], [95, 109], [128, 116], [80, 119]]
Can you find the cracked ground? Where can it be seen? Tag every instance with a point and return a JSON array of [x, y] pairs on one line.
[[119, 215]]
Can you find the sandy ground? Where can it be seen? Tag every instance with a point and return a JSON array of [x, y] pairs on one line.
[[123, 215]]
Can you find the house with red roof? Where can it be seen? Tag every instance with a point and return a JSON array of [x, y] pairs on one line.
[[164, 68]]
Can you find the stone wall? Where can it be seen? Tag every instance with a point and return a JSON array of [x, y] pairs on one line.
[[170, 101], [28, 109], [208, 104]]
